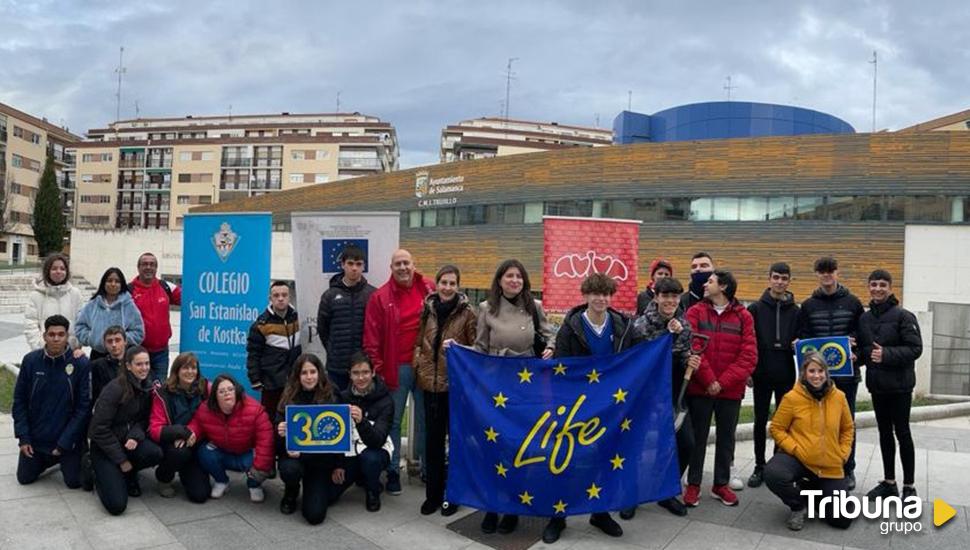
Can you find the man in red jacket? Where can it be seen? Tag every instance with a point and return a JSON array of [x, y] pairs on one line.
[[153, 297], [718, 385], [390, 329]]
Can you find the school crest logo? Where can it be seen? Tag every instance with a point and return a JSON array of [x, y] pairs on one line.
[[421, 183], [224, 241], [69, 369]]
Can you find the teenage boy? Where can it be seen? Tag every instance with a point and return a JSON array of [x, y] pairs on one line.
[[776, 327], [701, 267], [340, 316], [716, 389], [834, 311], [272, 346]]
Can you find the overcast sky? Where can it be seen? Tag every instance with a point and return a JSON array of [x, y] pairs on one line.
[[421, 65]]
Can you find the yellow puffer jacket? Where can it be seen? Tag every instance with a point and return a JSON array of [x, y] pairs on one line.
[[818, 433]]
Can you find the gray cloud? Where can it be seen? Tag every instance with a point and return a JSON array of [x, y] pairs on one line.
[[422, 65]]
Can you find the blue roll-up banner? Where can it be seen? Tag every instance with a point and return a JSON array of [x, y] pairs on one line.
[[318, 428], [225, 286]]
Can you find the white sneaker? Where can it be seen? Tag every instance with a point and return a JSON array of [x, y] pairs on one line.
[[736, 484], [219, 489], [256, 494]]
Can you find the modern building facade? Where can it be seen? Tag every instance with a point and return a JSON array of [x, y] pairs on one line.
[[498, 137], [148, 172], [26, 142]]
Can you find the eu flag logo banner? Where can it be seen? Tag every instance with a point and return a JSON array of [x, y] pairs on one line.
[[318, 428], [834, 349], [563, 436], [332, 249]]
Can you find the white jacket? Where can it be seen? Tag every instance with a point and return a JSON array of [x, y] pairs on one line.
[[46, 300]]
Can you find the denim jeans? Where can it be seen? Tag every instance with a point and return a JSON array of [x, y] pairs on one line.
[[407, 383], [159, 364], [215, 462]]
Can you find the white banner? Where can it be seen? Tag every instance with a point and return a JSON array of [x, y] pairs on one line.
[[318, 239]]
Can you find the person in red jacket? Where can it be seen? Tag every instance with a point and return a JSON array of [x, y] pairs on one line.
[[238, 436], [390, 329], [152, 297], [718, 385]]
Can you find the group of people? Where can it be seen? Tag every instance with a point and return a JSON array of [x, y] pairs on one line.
[[384, 345]]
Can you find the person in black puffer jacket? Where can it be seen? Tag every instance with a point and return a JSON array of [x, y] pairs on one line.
[[340, 316], [834, 311], [890, 342], [372, 411], [119, 443], [272, 347], [307, 385], [776, 327]]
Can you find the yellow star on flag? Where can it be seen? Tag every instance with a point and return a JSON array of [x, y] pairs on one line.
[[500, 400], [560, 507], [525, 375], [620, 396], [491, 435], [559, 369], [625, 425], [593, 491], [617, 462], [501, 470], [593, 376], [526, 498]]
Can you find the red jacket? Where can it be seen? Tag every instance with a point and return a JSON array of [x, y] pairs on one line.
[[152, 301], [381, 319], [732, 352], [160, 416], [247, 428]]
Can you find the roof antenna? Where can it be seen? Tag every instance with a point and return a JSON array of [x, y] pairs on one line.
[[121, 70], [629, 100], [875, 66], [729, 87], [508, 85]]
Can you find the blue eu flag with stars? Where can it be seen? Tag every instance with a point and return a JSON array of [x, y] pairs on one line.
[[332, 249], [562, 436]]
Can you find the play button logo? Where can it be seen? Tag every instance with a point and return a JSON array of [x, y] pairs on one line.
[[942, 512]]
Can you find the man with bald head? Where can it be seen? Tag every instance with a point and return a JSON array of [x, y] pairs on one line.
[[390, 329]]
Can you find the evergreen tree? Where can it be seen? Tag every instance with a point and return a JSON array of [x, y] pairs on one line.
[[49, 226]]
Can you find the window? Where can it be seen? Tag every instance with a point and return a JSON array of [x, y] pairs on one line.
[[105, 157], [446, 216], [32, 249], [298, 154], [183, 199], [429, 218], [321, 178], [414, 218], [296, 178], [533, 212], [185, 156], [514, 213], [781, 208], [580, 208], [753, 209], [809, 208], [3, 247], [96, 199], [322, 154]]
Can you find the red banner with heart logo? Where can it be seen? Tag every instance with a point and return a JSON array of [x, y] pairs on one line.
[[576, 247]]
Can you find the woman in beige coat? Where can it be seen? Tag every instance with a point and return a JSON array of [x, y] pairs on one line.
[[507, 323]]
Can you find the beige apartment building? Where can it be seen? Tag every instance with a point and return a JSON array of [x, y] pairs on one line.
[[149, 172], [497, 137], [25, 143]]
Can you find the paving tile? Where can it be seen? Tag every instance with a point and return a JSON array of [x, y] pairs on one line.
[[406, 535], [647, 530], [127, 531], [178, 509], [87, 508], [6, 430], [39, 522], [709, 536], [229, 532], [770, 518], [329, 535], [8, 464], [11, 490], [776, 542], [948, 477]]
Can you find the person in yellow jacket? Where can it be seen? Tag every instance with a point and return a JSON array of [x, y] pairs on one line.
[[813, 431]]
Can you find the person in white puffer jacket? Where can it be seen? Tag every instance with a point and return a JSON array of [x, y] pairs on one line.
[[53, 294]]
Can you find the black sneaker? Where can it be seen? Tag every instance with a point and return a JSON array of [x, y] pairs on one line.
[[673, 506], [393, 485], [373, 501], [134, 488], [908, 491], [489, 523], [553, 529], [850, 481], [508, 524], [288, 505], [429, 507], [87, 473], [757, 477], [884, 490], [628, 513], [606, 524], [448, 509]]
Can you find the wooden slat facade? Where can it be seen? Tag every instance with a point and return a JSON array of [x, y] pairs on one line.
[[936, 163]]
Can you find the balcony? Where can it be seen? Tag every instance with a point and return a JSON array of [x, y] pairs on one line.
[[159, 163], [268, 163], [359, 164], [132, 163], [235, 161]]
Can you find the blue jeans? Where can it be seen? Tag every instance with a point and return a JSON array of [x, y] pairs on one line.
[[159, 365], [215, 462], [407, 383]]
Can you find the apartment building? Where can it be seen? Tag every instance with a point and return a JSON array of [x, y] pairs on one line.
[[25, 143], [497, 137], [149, 172]]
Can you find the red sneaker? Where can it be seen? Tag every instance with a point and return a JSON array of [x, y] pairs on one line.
[[725, 495], [692, 496]]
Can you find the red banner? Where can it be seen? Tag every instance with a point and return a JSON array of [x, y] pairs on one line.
[[576, 247]]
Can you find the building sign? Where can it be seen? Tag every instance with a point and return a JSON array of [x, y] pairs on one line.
[[429, 190]]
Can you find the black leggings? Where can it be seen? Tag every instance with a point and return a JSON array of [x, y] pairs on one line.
[[183, 460], [315, 472], [763, 390], [111, 483], [892, 415], [436, 415]]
